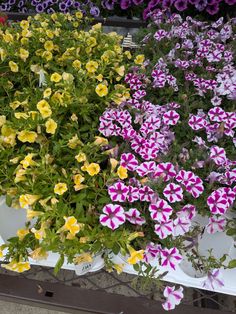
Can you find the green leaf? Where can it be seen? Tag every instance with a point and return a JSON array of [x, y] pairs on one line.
[[232, 264], [231, 232], [8, 200], [136, 267], [59, 264]]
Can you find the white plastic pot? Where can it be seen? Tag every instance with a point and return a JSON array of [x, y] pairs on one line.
[[86, 267], [11, 220]]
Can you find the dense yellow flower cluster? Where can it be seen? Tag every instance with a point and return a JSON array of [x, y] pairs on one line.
[[58, 78]]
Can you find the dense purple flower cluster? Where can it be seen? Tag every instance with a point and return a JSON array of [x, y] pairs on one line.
[[50, 6], [210, 6], [168, 183]]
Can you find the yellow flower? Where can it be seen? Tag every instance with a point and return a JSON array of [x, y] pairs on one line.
[[30, 214], [39, 254], [2, 120], [47, 93], [101, 90], [135, 256], [24, 41], [139, 59], [13, 66], [79, 15], [21, 233], [3, 54], [81, 157], [122, 173], [78, 178], [24, 54], [39, 234], [83, 258], [91, 41], [8, 37], [21, 115], [44, 108], [100, 141], [51, 126], [48, 45], [55, 77], [91, 66], [72, 225], [114, 163], [47, 55], [120, 70], [28, 161], [67, 77], [119, 268], [128, 54], [27, 136], [20, 175], [1, 253], [60, 188], [93, 169], [24, 24], [18, 267], [99, 77], [79, 187], [74, 142], [76, 64], [27, 200]]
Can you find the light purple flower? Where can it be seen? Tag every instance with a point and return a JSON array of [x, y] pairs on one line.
[[113, 216], [214, 280]]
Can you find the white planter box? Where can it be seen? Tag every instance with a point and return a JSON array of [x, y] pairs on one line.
[[13, 219]]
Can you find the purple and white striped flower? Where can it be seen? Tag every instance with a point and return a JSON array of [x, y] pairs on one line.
[[133, 216], [216, 224], [170, 257], [128, 161], [163, 228], [118, 192], [160, 210], [173, 192], [146, 194], [173, 297], [181, 226], [145, 168], [165, 170], [218, 202], [113, 216]]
